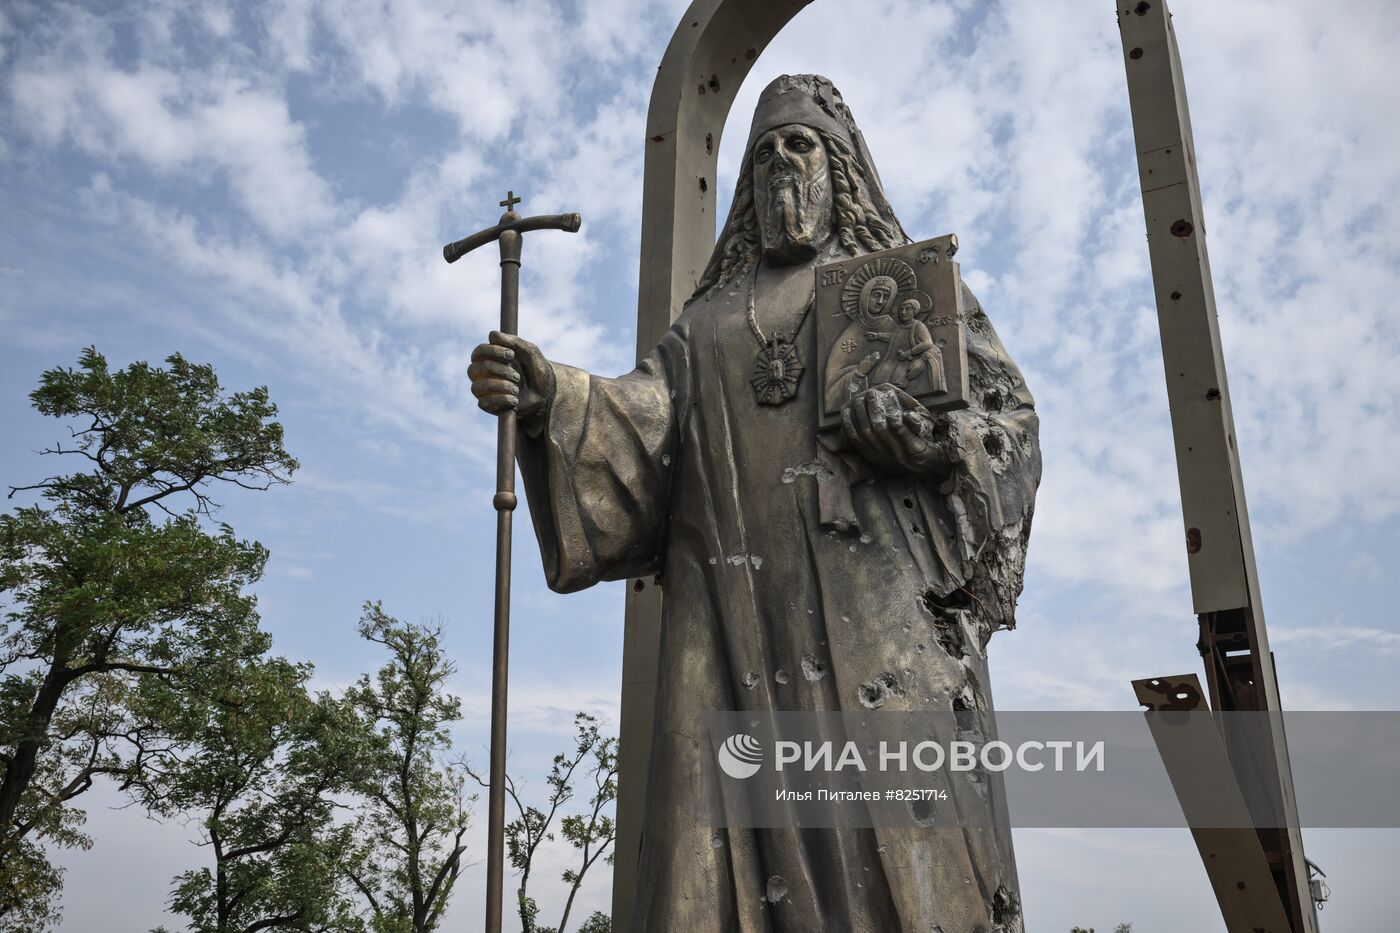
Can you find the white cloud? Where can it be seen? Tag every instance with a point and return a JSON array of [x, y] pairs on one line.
[[293, 571], [1301, 199], [218, 19], [290, 24], [280, 305], [173, 122], [369, 290], [1338, 636]]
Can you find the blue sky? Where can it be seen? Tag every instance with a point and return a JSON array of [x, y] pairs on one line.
[[266, 186]]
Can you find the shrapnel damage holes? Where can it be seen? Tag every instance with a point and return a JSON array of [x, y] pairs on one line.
[[939, 606], [1004, 908], [922, 812], [874, 693]]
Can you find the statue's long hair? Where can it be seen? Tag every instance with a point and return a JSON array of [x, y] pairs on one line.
[[861, 226]]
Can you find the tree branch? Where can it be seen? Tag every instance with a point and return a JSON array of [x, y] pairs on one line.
[[131, 667], [365, 890], [169, 490], [269, 922]]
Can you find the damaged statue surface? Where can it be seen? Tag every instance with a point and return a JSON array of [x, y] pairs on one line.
[[806, 566]]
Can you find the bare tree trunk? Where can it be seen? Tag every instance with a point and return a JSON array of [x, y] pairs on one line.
[[20, 771]]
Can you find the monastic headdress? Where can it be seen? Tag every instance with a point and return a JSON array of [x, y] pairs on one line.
[[811, 100]]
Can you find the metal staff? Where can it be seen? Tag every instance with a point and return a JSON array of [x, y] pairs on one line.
[[508, 232]]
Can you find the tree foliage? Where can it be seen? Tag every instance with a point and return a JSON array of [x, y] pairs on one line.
[[597, 922], [29, 888], [112, 582], [130, 647], [256, 761], [415, 812], [589, 831]]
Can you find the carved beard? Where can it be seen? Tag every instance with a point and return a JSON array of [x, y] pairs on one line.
[[794, 216]]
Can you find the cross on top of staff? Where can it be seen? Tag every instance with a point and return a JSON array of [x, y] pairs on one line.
[[510, 201]]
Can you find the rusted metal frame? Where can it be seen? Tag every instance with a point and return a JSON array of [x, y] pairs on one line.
[[711, 52], [1240, 872], [1220, 553]]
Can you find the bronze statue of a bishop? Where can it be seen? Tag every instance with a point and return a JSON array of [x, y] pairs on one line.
[[805, 566]]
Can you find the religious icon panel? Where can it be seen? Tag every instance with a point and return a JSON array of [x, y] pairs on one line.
[[893, 318]]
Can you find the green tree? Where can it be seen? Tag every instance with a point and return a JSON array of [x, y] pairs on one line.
[[590, 832], [597, 922], [257, 762], [112, 577], [30, 889], [593, 831], [415, 811]]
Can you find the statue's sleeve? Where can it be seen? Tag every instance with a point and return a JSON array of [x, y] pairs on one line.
[[597, 470], [993, 486]]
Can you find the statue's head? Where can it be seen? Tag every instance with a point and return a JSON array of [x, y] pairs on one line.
[[908, 309], [791, 193], [806, 178]]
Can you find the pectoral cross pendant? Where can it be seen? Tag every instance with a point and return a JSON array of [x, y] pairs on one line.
[[777, 371]]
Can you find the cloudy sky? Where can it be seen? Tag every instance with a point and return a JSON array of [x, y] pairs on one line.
[[266, 187]]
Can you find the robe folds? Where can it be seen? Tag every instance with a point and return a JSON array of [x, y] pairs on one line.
[[675, 469]]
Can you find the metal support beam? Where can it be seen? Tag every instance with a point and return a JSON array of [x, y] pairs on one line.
[[710, 54], [1220, 552], [1200, 771]]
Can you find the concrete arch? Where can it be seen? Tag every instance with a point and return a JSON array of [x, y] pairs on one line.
[[711, 52]]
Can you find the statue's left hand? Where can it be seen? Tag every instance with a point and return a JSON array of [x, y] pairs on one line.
[[893, 431]]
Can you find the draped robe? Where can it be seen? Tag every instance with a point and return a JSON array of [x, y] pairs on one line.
[[675, 469]]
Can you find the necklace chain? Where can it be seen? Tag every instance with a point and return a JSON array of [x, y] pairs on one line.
[[753, 316], [778, 368]]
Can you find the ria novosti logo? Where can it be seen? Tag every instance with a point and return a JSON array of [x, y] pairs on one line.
[[740, 756]]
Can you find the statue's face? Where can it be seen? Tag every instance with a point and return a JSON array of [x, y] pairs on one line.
[[791, 193], [908, 310]]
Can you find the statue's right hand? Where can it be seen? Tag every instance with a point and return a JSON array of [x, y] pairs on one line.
[[510, 372]]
